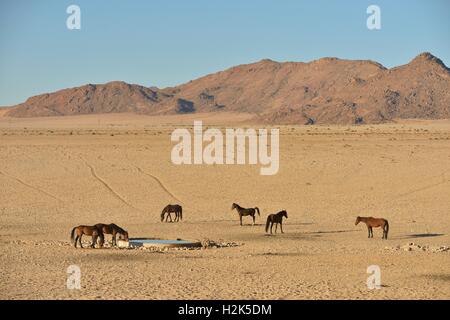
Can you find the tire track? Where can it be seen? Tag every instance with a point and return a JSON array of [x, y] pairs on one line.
[[421, 189], [413, 191], [110, 189], [159, 182], [30, 186]]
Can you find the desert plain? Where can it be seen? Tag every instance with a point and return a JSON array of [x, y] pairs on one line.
[[59, 172]]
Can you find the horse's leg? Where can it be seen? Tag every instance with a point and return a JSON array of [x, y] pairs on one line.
[[102, 240], [240, 218], [113, 240], [76, 240], [94, 239], [368, 231], [253, 216], [271, 226], [79, 240], [281, 226], [371, 232]]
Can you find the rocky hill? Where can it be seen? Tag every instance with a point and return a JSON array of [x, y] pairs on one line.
[[324, 91]]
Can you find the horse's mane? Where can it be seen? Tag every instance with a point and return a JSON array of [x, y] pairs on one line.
[[118, 228], [237, 206]]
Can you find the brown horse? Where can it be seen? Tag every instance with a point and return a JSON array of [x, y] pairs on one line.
[[245, 212], [374, 223], [175, 208], [276, 219], [92, 231], [114, 230]]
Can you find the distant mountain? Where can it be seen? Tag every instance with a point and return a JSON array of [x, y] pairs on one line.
[[91, 98], [324, 91]]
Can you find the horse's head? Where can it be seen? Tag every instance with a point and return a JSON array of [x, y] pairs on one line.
[[162, 215], [358, 220], [284, 212], [123, 236], [233, 206]]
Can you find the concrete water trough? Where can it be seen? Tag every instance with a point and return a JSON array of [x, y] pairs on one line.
[[158, 243]]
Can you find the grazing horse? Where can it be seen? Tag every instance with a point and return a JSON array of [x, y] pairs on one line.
[[374, 223], [92, 231], [245, 212], [177, 209], [114, 230], [276, 219]]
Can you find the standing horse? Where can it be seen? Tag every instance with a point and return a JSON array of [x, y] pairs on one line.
[[374, 223], [114, 230], [245, 212], [177, 209], [92, 231], [276, 219]]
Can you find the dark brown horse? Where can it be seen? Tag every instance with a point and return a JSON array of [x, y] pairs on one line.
[[245, 212], [114, 230], [92, 231], [374, 223], [175, 208], [276, 219]]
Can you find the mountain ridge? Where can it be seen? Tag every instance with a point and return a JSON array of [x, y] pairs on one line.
[[323, 91]]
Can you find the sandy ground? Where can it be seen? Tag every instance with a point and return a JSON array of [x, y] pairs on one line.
[[56, 173]]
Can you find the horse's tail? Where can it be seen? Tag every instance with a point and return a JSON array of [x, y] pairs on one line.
[[72, 235], [162, 213], [257, 210], [181, 213], [386, 227], [267, 223]]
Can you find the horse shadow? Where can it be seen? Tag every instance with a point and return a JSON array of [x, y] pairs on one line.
[[331, 232], [440, 276], [307, 235], [281, 254], [251, 225], [294, 235], [422, 235]]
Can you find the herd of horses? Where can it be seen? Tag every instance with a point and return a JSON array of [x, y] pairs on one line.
[[98, 231]]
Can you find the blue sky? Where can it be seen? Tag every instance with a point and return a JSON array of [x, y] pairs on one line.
[[168, 42]]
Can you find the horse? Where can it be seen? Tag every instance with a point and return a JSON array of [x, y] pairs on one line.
[[177, 209], [276, 219], [92, 231], [245, 212], [112, 229], [374, 223]]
